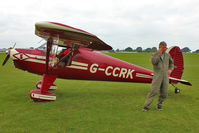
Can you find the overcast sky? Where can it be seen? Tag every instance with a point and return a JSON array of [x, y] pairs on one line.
[[119, 23]]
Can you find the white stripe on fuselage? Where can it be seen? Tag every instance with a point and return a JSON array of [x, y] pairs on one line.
[[40, 59], [143, 75], [79, 63], [77, 67]]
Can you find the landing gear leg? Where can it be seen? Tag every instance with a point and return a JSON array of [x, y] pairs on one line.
[[177, 90], [52, 87], [42, 94]]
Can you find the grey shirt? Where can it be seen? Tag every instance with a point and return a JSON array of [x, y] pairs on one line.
[[161, 66]]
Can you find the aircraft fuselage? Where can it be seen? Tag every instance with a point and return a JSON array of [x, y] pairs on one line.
[[87, 64]]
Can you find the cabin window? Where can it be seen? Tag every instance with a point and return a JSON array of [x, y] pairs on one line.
[[42, 47], [64, 56]]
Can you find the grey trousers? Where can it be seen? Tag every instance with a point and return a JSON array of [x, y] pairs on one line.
[[155, 87]]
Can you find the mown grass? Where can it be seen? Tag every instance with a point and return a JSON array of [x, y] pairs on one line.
[[97, 107]]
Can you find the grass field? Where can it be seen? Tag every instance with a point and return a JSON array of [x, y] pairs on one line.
[[97, 107]]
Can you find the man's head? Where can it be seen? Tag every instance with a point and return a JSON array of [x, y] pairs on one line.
[[162, 47]]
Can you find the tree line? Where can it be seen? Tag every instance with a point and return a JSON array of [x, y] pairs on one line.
[[151, 50]]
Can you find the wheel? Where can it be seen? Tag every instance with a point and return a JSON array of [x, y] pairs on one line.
[[177, 90]]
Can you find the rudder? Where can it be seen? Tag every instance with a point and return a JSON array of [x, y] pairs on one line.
[[176, 55]]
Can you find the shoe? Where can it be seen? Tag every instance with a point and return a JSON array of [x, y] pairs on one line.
[[145, 109], [159, 107]]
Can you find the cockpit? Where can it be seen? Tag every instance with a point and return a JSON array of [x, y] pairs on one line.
[[59, 55]]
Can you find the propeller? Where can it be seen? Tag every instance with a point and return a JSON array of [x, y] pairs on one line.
[[7, 57]]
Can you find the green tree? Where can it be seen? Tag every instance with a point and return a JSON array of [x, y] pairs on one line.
[[117, 50], [186, 50], [148, 50], [129, 49], [111, 51], [154, 49], [139, 49], [197, 51]]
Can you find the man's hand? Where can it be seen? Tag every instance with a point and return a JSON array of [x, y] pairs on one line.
[[169, 72], [162, 49]]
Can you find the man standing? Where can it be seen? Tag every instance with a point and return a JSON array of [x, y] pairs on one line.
[[162, 66]]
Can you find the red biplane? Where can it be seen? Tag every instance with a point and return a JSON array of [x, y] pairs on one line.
[[81, 61]]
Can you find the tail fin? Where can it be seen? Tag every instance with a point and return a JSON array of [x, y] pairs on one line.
[[176, 55]]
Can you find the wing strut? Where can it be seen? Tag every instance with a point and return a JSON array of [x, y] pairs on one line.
[[49, 46]]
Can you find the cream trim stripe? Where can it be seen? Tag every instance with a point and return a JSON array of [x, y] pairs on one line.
[[79, 63], [78, 67], [46, 97], [143, 75], [36, 56], [36, 61]]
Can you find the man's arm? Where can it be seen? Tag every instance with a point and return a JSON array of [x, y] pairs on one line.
[[170, 63], [155, 59]]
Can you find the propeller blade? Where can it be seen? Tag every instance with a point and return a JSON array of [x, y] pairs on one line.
[[6, 59], [8, 56]]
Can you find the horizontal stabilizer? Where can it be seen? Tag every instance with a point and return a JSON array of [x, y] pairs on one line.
[[181, 81], [175, 80]]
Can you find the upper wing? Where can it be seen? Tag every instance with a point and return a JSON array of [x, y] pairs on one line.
[[66, 34]]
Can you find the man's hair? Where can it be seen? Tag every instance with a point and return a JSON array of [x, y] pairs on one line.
[[162, 43]]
